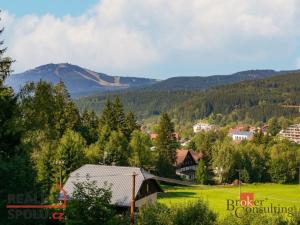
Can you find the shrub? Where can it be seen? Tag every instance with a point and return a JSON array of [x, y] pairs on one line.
[[192, 213]]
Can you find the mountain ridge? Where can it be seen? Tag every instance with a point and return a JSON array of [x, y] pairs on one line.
[[79, 81], [82, 82]]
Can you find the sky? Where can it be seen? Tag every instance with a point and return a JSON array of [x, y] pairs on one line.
[[154, 38]]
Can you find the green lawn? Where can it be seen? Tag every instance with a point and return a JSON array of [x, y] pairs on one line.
[[216, 196]]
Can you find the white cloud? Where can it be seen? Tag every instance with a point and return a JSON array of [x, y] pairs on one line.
[[298, 63], [131, 35]]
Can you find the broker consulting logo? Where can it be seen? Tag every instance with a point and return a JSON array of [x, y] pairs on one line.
[[247, 204], [18, 207]]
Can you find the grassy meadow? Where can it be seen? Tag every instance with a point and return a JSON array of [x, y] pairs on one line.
[[216, 196]]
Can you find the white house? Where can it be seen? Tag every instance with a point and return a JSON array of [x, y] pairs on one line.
[[241, 135], [120, 180], [202, 127]]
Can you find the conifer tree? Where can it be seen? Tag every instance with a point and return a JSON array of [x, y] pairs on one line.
[[131, 124], [107, 117], [139, 146], [16, 171], [89, 126], [117, 149], [202, 173], [166, 146], [119, 115]]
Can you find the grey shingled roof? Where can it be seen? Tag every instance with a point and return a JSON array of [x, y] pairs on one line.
[[118, 177]]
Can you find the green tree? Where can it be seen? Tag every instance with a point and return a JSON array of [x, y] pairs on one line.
[[71, 152], [49, 108], [113, 116], [90, 204], [131, 124], [119, 115], [107, 116], [166, 145], [139, 146], [226, 160], [274, 126], [94, 154], [16, 170], [202, 173], [38, 107], [284, 162], [89, 126], [117, 149], [45, 165], [204, 142], [66, 113], [254, 161]]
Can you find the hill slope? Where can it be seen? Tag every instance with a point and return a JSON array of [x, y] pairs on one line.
[[84, 82], [202, 83], [79, 81], [251, 101]]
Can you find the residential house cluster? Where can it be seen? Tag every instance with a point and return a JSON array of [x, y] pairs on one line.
[[203, 127], [291, 133]]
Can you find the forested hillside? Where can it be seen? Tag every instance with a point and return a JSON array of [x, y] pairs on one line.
[[143, 103], [256, 100], [252, 101], [203, 83]]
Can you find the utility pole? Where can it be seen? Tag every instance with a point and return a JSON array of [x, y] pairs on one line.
[[132, 199]]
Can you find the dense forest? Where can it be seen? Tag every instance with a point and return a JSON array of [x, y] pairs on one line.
[[248, 101]]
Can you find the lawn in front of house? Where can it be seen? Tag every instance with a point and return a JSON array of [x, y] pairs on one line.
[[276, 194]]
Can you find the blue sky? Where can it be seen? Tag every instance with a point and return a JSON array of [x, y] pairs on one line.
[[154, 38], [41, 7]]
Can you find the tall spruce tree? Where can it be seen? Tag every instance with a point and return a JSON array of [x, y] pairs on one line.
[[89, 126], [107, 117], [131, 124], [16, 171], [166, 145], [119, 115]]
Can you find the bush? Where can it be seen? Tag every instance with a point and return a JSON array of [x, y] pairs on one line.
[[253, 219], [192, 213], [158, 214]]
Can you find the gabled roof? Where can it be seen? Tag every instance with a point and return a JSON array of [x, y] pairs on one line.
[[181, 154], [120, 179], [196, 155]]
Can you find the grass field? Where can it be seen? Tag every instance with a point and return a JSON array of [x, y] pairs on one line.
[[216, 196]]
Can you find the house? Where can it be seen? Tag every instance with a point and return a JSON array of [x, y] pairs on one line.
[[291, 133], [120, 180], [202, 127], [186, 162], [241, 135], [238, 128], [153, 136]]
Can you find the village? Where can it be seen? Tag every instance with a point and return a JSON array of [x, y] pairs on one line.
[[133, 187], [150, 112]]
